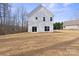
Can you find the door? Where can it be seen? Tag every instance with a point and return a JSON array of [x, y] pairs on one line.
[[34, 29]]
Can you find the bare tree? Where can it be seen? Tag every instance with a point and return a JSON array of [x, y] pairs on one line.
[[12, 22], [4, 8], [23, 17]]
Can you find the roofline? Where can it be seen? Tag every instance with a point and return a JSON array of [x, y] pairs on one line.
[[37, 8]]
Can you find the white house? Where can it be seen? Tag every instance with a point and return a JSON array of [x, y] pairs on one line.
[[72, 24], [40, 20]]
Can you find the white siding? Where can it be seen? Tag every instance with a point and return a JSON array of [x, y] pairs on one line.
[[39, 22]]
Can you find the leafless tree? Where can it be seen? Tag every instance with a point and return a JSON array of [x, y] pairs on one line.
[[12, 22], [23, 17], [4, 13]]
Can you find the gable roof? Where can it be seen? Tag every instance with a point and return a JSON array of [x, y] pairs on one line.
[[71, 22], [36, 9]]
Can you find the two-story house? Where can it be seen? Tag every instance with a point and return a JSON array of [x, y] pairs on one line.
[[40, 20]]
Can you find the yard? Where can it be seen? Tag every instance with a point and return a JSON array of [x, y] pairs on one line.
[[59, 42]]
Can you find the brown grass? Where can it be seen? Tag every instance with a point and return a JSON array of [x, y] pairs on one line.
[[61, 42]]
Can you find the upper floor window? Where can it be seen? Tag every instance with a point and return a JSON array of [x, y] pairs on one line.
[[50, 18], [36, 18], [43, 18]]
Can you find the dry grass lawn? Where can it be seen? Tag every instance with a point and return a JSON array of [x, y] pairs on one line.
[[61, 42]]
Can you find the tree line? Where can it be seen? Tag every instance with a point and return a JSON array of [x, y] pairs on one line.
[[12, 21]]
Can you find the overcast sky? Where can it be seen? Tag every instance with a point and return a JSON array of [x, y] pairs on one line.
[[61, 11]]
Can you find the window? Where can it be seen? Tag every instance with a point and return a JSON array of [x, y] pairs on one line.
[[34, 29], [36, 18], [47, 28], [50, 18], [43, 18]]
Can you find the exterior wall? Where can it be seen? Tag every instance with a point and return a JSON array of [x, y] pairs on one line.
[[71, 27], [39, 23]]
